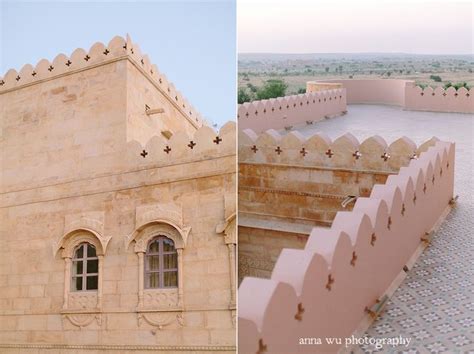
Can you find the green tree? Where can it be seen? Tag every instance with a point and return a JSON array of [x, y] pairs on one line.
[[436, 78], [243, 96], [301, 90], [457, 86], [272, 89], [252, 87]]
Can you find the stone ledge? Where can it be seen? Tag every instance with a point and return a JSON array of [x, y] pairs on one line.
[[121, 347]]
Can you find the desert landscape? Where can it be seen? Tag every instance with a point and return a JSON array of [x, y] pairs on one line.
[[296, 69]]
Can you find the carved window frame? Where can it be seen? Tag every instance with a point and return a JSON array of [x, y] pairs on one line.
[[71, 242], [142, 239]]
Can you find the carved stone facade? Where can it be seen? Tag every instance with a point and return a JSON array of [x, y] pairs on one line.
[[98, 153]]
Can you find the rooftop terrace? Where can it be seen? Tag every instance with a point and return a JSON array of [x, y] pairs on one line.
[[433, 306]]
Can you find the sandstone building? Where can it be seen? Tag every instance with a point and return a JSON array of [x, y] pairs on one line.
[[117, 210]]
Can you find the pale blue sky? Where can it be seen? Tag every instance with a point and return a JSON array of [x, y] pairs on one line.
[[192, 42]]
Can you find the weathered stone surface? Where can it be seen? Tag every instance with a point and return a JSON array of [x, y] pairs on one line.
[[70, 149]]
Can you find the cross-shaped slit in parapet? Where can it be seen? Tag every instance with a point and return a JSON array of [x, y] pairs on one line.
[[353, 259], [191, 144], [299, 312], [167, 149], [262, 348], [51, 68], [254, 149], [373, 238], [330, 282], [87, 57], [144, 153], [357, 154], [18, 78], [106, 51], [303, 152], [33, 73], [217, 140], [329, 153], [385, 156], [278, 150], [68, 63], [2, 83]]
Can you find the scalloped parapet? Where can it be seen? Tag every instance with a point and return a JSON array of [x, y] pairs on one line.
[[290, 111], [373, 154], [361, 255], [403, 93], [99, 54], [204, 144], [439, 99]]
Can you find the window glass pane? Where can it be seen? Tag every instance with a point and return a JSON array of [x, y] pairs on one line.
[[154, 247], [153, 262], [170, 261], [152, 280], [170, 279], [92, 282], [77, 283], [91, 251], [93, 266], [77, 267], [168, 245], [79, 252]]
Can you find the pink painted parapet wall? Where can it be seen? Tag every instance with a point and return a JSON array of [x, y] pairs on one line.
[[289, 111], [406, 94], [323, 290], [438, 99]]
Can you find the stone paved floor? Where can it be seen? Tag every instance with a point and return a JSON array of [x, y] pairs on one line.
[[434, 306]]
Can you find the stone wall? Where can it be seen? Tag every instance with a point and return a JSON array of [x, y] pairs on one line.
[[82, 160]]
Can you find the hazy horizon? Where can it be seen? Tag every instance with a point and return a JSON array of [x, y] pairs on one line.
[[305, 27], [384, 53]]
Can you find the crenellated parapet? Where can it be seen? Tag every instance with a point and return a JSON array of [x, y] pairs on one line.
[[205, 143], [344, 272], [99, 54], [346, 152], [289, 111]]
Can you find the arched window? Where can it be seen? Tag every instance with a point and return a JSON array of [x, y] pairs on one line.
[[85, 268], [161, 264]]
